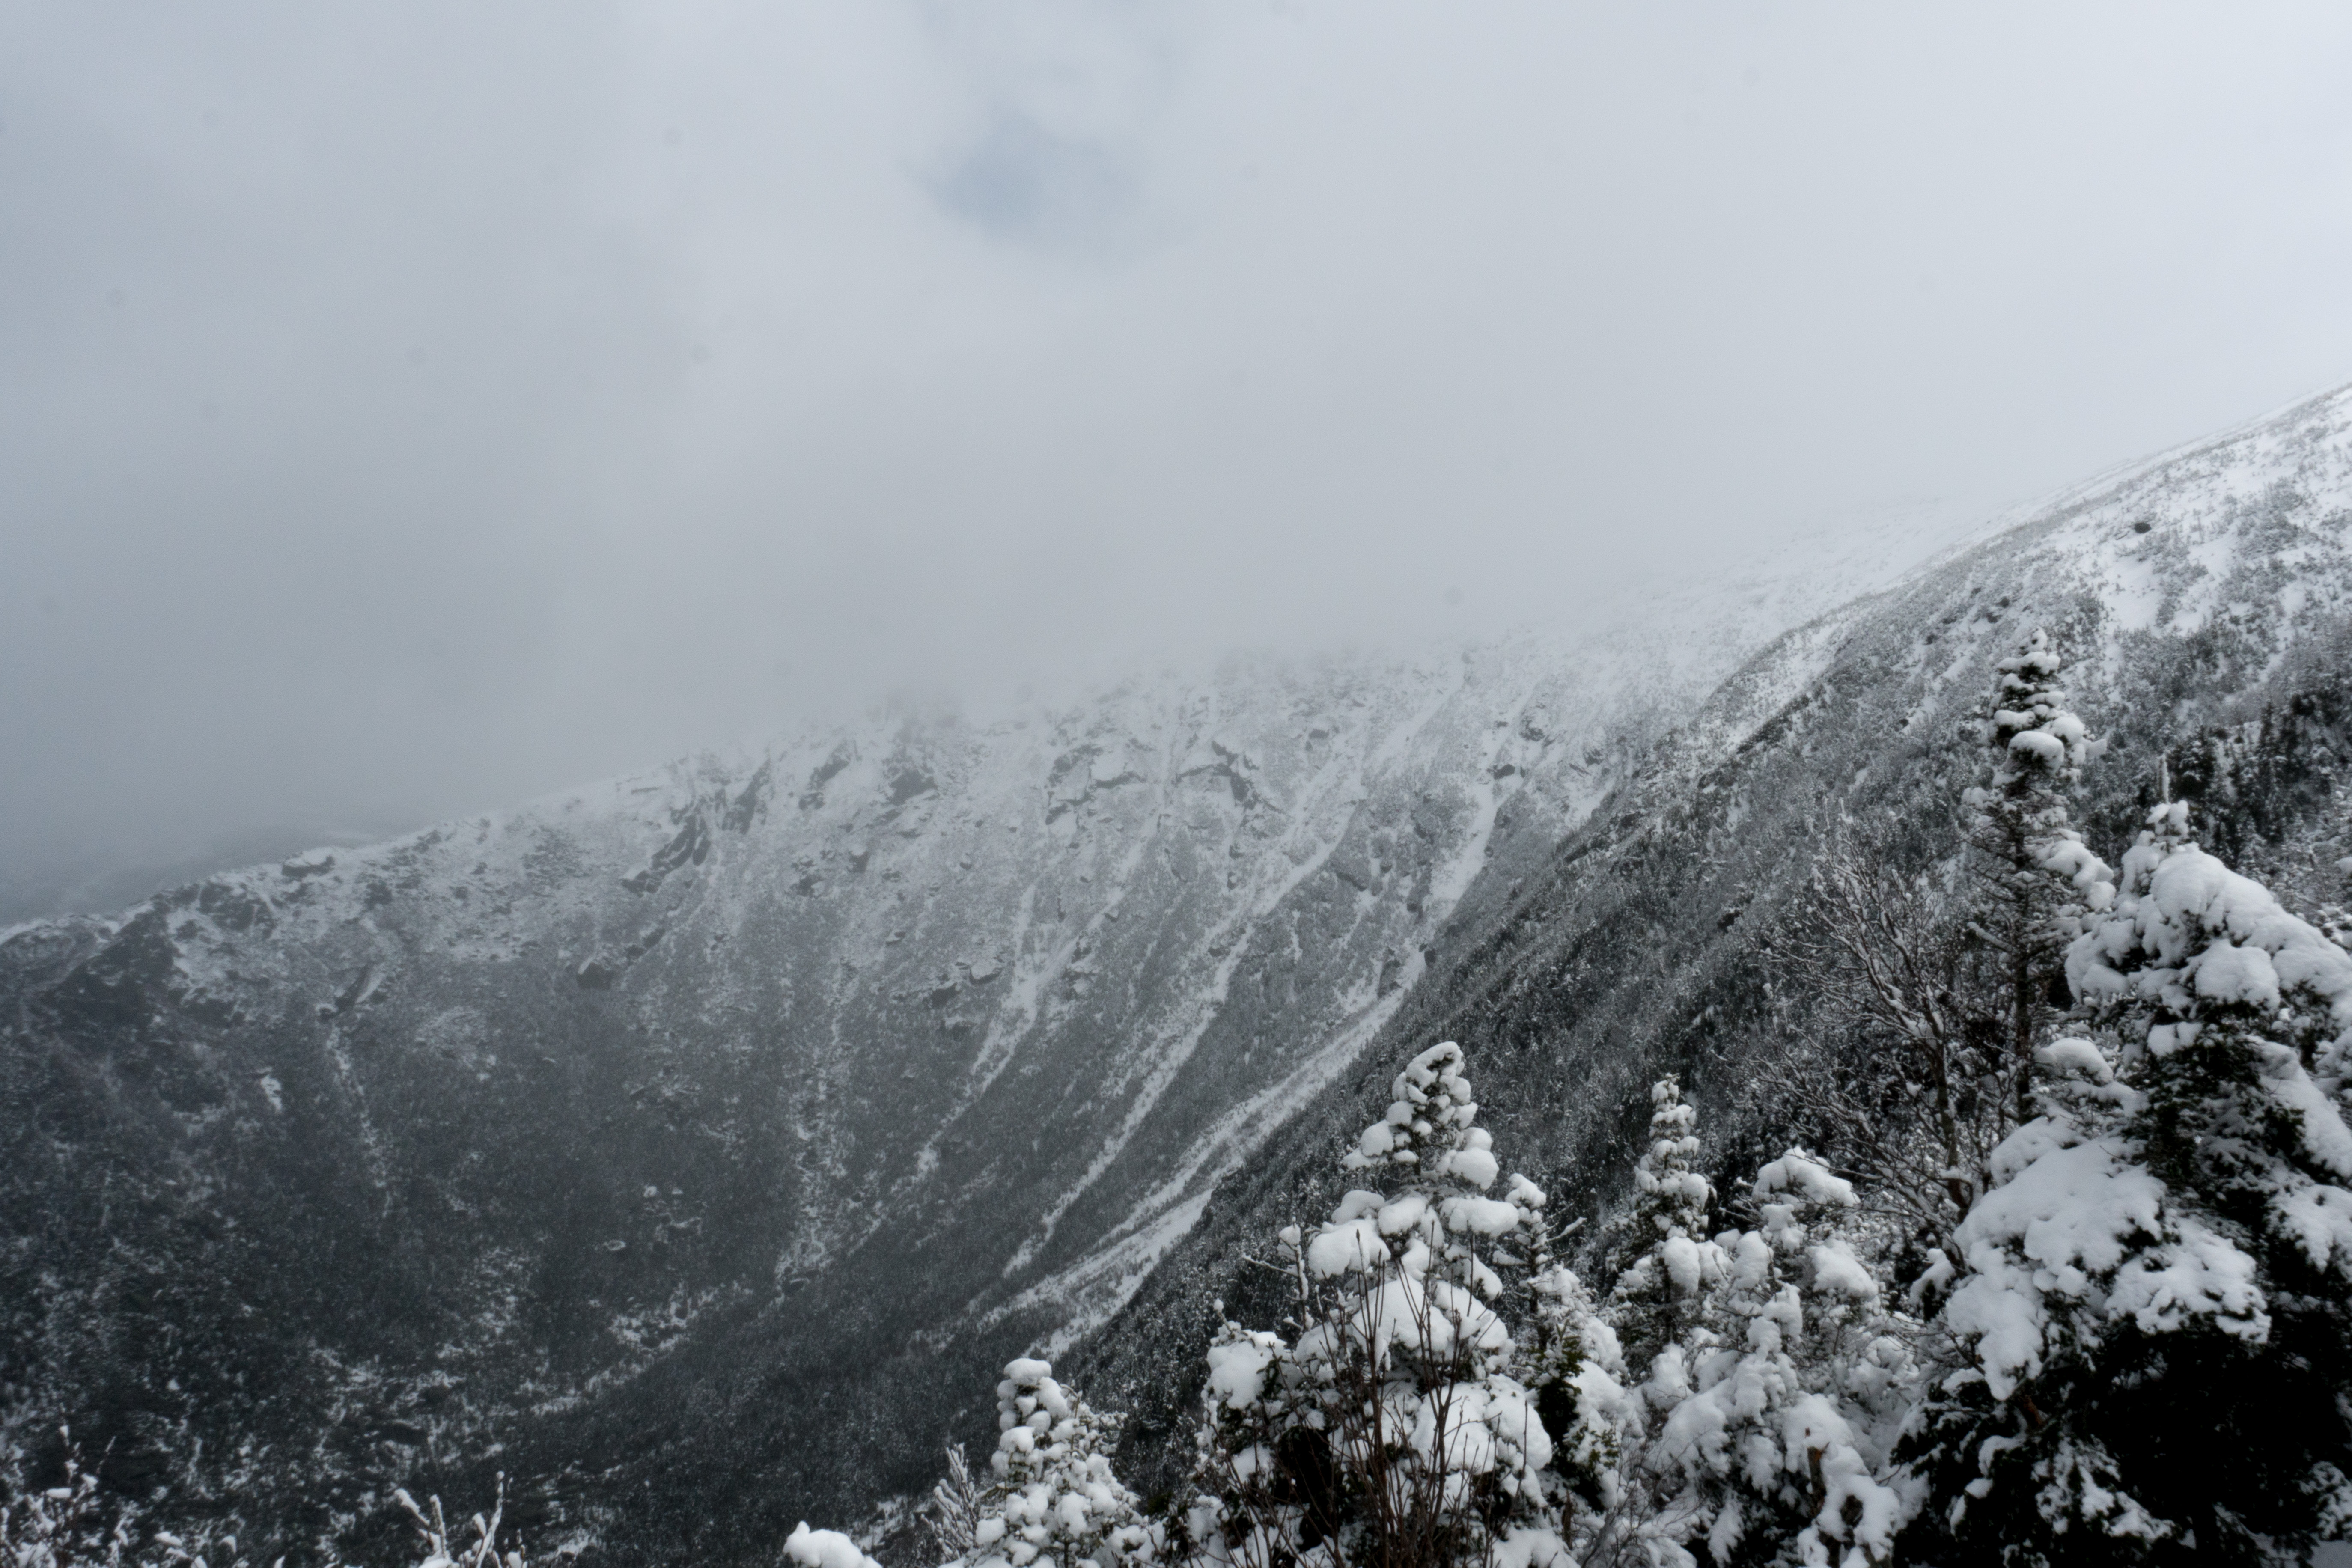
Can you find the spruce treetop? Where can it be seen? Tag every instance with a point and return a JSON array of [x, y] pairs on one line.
[[1056, 1499], [1430, 1126], [1673, 1258], [2038, 739], [1393, 1429], [1441, 1163], [1672, 1196], [2039, 748]]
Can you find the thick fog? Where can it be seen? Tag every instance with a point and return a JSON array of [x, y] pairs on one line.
[[407, 409]]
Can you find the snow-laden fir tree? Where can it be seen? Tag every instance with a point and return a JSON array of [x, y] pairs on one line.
[[1392, 1432], [1577, 1368], [1760, 1426], [1658, 1288], [1054, 1501], [957, 1501], [2152, 1302], [1776, 1411], [1592, 1361], [2031, 876], [809, 1548]]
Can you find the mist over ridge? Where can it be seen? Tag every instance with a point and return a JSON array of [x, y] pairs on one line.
[[1279, 784], [410, 414]]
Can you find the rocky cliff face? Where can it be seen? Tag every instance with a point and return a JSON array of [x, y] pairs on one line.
[[693, 1147], [2206, 599]]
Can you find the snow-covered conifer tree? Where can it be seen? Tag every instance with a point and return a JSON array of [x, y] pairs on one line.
[[1054, 1501], [816, 1549], [1762, 1427], [1658, 1289], [1776, 1411], [957, 1503], [1577, 1368], [2154, 1301], [2031, 873], [1393, 1431]]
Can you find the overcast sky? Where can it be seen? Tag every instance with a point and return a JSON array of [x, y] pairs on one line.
[[407, 409]]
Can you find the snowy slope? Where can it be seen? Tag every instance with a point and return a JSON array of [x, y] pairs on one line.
[[2205, 595], [691, 1146], [632, 1127]]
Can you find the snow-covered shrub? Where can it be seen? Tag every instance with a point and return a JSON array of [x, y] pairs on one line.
[[75, 1525], [1393, 1429], [64, 1526], [1054, 1501], [442, 1548], [825, 1549], [2152, 1302]]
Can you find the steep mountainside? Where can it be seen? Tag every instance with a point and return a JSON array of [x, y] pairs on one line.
[[2206, 597], [692, 1147]]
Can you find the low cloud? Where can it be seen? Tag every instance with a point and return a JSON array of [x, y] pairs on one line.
[[407, 411]]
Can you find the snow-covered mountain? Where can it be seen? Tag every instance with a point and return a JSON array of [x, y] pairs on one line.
[[710, 1134], [693, 1147], [2205, 599]]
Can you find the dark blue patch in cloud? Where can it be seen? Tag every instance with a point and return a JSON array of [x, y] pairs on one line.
[[1020, 181]]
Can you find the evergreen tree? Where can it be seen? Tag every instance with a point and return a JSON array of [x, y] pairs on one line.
[[2026, 851], [1777, 1410], [805, 1547], [2154, 1305], [1054, 1501], [1392, 1432], [1761, 1420], [1577, 1371], [1659, 1287]]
